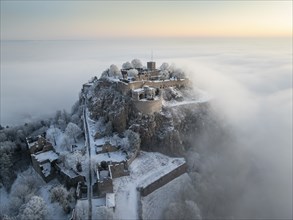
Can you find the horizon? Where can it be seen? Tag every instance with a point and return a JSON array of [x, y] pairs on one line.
[[89, 20]]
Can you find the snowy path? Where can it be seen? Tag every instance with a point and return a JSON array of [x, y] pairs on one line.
[[90, 170]]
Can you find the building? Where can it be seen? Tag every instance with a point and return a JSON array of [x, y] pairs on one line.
[[45, 162], [145, 88], [43, 157]]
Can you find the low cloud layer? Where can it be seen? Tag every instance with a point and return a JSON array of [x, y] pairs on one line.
[[248, 172]]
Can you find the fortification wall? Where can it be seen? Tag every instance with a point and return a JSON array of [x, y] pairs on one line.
[[148, 106], [168, 83], [163, 180], [124, 88]]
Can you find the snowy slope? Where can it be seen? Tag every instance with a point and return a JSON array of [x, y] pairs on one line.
[[145, 169], [155, 203]]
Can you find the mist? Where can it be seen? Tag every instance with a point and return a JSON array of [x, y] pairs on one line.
[[245, 158], [243, 162]]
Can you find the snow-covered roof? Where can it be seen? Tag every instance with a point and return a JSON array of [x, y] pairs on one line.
[[110, 200], [69, 172], [48, 155], [138, 90], [117, 156], [46, 169], [97, 202], [104, 174]]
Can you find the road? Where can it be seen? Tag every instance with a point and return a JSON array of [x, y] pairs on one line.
[[87, 141]]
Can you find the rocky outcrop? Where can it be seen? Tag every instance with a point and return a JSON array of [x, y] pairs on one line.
[[168, 131], [171, 130], [105, 101]]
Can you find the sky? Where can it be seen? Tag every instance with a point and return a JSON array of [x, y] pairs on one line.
[[73, 20]]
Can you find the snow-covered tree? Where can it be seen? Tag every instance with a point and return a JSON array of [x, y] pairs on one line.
[[132, 73], [7, 174], [134, 140], [164, 74], [136, 63], [6, 168], [23, 188], [105, 73], [35, 209], [179, 73], [127, 65], [62, 196], [66, 142], [164, 66], [3, 137], [124, 144], [52, 134], [114, 71], [72, 130]]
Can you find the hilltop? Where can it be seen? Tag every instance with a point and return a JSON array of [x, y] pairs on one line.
[[122, 148]]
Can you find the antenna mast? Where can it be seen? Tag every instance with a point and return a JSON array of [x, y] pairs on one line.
[[152, 56]]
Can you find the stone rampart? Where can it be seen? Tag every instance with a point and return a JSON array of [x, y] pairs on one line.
[[148, 106], [124, 88], [163, 180]]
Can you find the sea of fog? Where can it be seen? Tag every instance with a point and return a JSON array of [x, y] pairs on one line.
[[250, 80], [40, 77]]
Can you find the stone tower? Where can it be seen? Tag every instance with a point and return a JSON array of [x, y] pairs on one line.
[[151, 65]]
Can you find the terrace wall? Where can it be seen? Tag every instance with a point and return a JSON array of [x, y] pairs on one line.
[[144, 191]]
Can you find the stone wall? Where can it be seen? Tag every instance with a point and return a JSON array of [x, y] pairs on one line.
[[163, 180], [118, 170], [132, 158], [69, 177], [148, 106], [124, 88], [38, 169]]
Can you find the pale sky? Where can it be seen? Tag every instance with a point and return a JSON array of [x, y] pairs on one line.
[[53, 20]]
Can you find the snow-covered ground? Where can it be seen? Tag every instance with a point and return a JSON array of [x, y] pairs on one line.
[[199, 96], [154, 204], [145, 169], [54, 209]]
